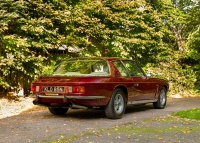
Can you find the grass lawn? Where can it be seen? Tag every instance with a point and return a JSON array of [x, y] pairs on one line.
[[190, 114]]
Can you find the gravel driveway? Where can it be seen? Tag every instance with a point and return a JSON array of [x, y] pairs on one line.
[[40, 126]]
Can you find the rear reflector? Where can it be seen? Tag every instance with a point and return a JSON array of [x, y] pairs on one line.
[[37, 88]]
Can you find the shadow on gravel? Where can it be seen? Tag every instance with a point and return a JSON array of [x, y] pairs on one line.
[[99, 113], [131, 108]]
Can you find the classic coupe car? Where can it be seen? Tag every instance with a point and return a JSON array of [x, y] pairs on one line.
[[106, 83]]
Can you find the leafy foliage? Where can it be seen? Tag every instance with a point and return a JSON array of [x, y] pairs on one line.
[[173, 60], [119, 28], [27, 34], [193, 55], [17, 58]]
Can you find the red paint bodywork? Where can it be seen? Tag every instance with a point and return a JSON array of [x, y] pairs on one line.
[[135, 88]]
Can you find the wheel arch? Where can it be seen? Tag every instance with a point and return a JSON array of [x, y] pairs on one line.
[[124, 89], [166, 87]]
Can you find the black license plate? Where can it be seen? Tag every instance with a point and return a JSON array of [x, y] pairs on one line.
[[53, 89]]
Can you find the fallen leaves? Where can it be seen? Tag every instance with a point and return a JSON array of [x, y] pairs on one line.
[[97, 133]]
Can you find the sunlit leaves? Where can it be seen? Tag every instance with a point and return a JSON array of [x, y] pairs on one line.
[[18, 56], [114, 27], [172, 60]]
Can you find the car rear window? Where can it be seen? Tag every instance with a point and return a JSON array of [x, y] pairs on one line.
[[82, 68]]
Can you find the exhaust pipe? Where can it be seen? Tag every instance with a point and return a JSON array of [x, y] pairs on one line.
[[78, 106]]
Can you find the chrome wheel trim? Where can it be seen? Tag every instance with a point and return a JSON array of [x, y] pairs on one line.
[[162, 97], [119, 104]]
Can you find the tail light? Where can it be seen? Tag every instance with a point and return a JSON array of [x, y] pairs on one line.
[[33, 88], [75, 89], [78, 89]]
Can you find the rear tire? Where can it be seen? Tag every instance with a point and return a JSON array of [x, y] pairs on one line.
[[116, 106], [58, 111], [162, 99]]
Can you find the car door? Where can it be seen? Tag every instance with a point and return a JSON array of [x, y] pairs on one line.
[[124, 78], [141, 83]]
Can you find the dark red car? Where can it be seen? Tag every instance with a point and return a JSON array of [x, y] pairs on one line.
[[107, 83]]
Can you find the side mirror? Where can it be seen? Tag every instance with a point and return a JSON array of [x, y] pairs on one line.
[[148, 75]]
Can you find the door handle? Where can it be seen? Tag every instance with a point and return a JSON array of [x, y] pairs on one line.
[[136, 84]]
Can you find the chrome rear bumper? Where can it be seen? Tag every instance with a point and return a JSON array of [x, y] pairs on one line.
[[66, 97]]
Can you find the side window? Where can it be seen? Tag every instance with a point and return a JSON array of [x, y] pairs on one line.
[[132, 68], [121, 68]]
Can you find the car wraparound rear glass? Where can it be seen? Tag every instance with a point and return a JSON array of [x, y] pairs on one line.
[[85, 67]]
